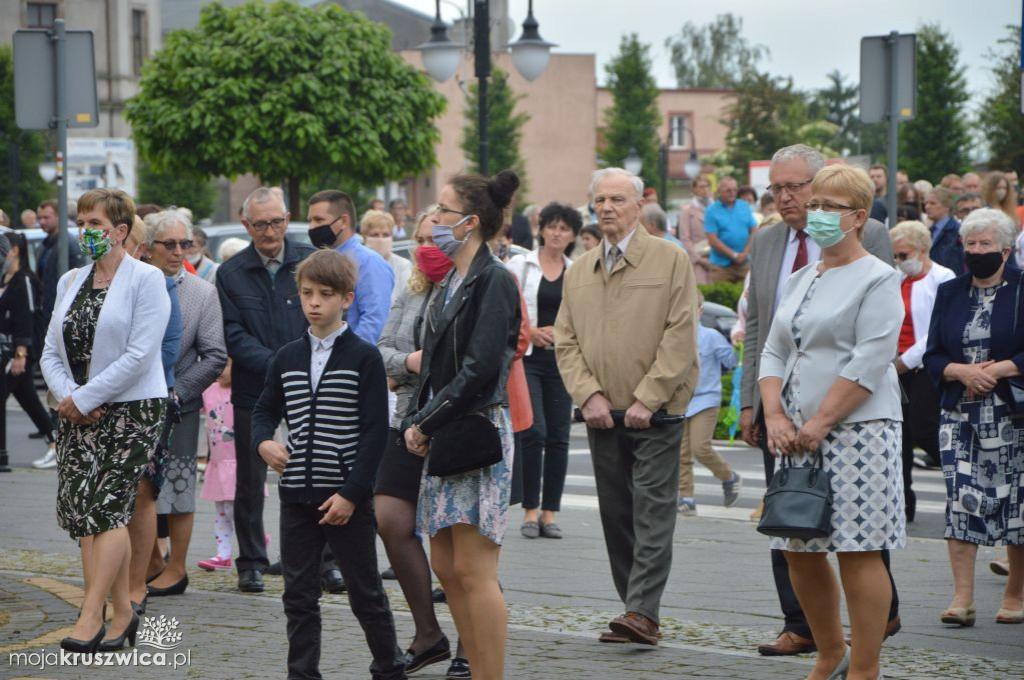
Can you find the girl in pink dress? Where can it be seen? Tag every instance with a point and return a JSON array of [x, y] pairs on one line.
[[219, 479]]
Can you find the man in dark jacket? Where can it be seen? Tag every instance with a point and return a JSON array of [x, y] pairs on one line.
[[262, 313], [46, 260]]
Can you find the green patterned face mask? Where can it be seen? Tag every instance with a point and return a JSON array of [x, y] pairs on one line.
[[95, 243]]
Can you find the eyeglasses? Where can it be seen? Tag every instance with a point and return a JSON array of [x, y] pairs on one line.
[[277, 223], [790, 187], [440, 210], [171, 244], [827, 206], [964, 211]]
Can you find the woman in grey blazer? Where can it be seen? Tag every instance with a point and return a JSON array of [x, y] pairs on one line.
[[828, 384], [102, 364]]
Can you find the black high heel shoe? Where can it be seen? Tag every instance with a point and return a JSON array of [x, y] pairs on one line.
[[140, 607], [70, 644], [177, 589], [128, 635]]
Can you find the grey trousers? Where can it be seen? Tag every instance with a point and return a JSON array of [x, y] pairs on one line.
[[637, 476]]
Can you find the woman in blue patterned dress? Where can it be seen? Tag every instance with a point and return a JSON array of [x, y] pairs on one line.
[[975, 344], [472, 331], [829, 386]]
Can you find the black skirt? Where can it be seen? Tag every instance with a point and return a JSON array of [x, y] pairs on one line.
[[399, 472]]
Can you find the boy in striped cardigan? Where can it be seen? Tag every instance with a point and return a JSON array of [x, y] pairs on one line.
[[331, 388]]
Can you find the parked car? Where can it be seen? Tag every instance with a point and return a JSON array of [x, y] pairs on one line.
[[719, 317]]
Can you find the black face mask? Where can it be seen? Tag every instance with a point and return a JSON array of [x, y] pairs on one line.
[[323, 236], [983, 265]]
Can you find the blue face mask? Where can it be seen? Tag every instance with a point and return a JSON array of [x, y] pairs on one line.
[[444, 237], [823, 228]]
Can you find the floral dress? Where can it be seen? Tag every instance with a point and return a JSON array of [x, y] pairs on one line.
[[864, 461], [478, 497], [99, 466], [982, 449]]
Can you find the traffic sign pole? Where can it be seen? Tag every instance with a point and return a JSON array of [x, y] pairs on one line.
[[61, 120], [894, 122]]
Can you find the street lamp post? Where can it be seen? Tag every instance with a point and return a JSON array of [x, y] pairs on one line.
[[633, 163], [530, 55], [692, 165]]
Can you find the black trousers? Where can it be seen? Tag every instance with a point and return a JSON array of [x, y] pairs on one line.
[[22, 389], [250, 477], [302, 542], [546, 444], [795, 620], [920, 427]]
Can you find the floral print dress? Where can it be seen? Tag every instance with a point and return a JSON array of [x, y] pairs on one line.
[[99, 466]]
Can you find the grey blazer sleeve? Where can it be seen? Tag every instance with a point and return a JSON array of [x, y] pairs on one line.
[[876, 241], [395, 331], [876, 333], [196, 377], [748, 381]]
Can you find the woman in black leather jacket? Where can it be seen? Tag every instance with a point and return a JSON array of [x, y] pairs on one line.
[[472, 327]]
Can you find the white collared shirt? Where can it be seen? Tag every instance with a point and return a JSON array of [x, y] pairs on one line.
[[622, 244], [321, 353], [789, 257]]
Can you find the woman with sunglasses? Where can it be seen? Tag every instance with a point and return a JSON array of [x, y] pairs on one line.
[[829, 388], [102, 364]]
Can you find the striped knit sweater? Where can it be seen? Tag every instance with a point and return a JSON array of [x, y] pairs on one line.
[[337, 432]]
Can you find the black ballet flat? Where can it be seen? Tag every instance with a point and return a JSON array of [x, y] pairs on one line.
[[70, 644], [177, 589], [128, 635], [441, 651]]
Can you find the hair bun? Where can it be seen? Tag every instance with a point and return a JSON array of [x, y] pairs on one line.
[[502, 187]]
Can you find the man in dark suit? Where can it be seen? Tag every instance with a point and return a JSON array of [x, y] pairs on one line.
[[262, 313], [778, 251], [46, 260]]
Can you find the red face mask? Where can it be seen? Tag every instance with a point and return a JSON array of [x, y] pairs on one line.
[[432, 262]]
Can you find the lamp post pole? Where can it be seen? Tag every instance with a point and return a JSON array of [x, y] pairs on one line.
[[482, 55]]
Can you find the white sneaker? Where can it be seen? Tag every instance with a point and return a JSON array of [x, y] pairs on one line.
[[47, 462]]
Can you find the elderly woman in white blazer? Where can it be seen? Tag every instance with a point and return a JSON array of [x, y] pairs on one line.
[[911, 242], [102, 364], [545, 447], [828, 384]]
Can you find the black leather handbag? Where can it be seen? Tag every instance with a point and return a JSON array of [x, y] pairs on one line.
[[467, 443], [798, 502]]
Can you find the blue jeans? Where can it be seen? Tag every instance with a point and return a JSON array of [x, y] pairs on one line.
[[546, 444]]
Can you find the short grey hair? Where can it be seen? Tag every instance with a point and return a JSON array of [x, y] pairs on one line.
[[263, 195], [815, 161], [655, 217], [531, 210], [231, 247], [638, 184], [157, 223], [984, 219], [914, 233]]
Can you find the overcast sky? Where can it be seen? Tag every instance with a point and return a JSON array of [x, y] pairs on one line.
[[805, 43]]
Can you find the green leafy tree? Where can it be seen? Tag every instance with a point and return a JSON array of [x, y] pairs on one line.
[[20, 184], [838, 103], [1000, 119], [286, 92], [633, 119], [504, 128], [935, 142], [766, 114], [168, 188], [715, 55]]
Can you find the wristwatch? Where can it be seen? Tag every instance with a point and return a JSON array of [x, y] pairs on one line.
[[20, 354]]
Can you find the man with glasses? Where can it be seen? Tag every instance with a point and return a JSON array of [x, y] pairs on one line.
[[260, 302], [728, 225], [967, 203], [776, 252]]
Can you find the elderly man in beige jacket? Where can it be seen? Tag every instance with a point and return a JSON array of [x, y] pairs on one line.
[[625, 340]]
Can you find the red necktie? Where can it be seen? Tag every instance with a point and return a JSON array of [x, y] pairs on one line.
[[801, 251]]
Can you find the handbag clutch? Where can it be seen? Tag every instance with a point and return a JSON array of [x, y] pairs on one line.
[[798, 502], [467, 443]]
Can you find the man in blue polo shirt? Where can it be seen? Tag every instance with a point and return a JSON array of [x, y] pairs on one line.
[[729, 224]]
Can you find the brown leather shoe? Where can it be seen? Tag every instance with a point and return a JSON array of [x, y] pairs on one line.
[[637, 627], [891, 629], [609, 636], [787, 644]]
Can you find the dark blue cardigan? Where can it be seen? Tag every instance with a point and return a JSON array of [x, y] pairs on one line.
[[952, 313]]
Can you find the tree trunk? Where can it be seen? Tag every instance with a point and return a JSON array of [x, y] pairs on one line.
[[294, 208]]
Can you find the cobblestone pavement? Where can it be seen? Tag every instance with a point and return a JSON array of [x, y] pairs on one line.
[[718, 605]]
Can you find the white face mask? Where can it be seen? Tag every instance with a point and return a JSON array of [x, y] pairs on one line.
[[1000, 194], [382, 244], [911, 266], [194, 259]]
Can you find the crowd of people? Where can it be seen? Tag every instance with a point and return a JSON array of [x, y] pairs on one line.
[[424, 397]]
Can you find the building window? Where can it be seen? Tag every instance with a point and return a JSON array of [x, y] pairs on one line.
[[40, 14], [139, 42], [678, 124]]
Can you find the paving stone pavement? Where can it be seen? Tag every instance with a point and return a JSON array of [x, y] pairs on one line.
[[718, 605]]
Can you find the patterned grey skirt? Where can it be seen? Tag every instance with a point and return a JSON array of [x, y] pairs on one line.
[[99, 466]]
